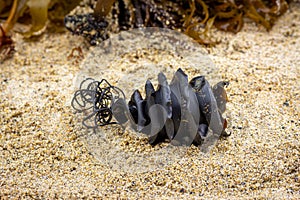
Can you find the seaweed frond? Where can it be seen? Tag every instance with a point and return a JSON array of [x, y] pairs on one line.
[[103, 8]]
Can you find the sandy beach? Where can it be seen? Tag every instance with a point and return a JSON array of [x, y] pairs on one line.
[[44, 152]]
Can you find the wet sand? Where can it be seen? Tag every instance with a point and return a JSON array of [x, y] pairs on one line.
[[44, 155]]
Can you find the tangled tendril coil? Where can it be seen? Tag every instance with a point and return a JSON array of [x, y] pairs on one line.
[[95, 99]]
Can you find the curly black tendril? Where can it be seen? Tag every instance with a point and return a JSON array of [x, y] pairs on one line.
[[95, 99], [181, 112]]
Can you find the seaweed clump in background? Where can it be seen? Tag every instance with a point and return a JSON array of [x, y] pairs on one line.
[[37, 11], [193, 17]]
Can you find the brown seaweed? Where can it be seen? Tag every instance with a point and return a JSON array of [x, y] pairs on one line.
[[229, 15], [6, 46], [38, 11], [262, 12], [102, 8], [6, 43], [192, 16]]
